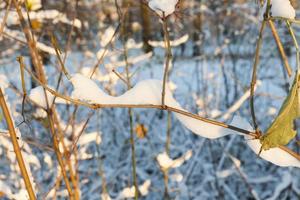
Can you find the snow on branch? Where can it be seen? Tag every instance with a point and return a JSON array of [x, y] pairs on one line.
[[147, 93], [165, 162], [129, 192], [173, 43], [37, 95], [163, 8], [280, 8], [276, 155], [43, 15]]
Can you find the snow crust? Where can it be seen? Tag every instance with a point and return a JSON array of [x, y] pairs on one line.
[[163, 6], [280, 8], [145, 92]]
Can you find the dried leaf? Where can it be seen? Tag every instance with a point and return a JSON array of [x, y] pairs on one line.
[[282, 131], [36, 24], [2, 194], [141, 131]]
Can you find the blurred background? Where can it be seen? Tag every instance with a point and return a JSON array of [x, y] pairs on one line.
[[213, 45]]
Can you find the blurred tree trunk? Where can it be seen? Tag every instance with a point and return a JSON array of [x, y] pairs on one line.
[[197, 23], [146, 26], [126, 29], [294, 3]]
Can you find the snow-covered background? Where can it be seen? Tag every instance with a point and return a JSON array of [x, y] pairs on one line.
[[213, 44]]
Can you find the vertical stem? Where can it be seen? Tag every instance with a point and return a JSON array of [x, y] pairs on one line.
[[253, 81], [295, 43], [280, 48], [256, 62], [16, 146], [167, 149], [136, 194], [130, 112], [168, 58], [5, 18], [59, 156], [168, 141], [42, 78]]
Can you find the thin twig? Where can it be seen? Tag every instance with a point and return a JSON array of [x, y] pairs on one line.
[[51, 113], [58, 52], [5, 18], [17, 149], [294, 21], [292, 33], [253, 81], [168, 55], [167, 149], [120, 76], [130, 111], [100, 59], [280, 48]]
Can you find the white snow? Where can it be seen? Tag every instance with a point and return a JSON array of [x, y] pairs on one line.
[[280, 8], [149, 92], [3, 82], [131, 60], [173, 43], [145, 92], [37, 95], [165, 162], [273, 155], [284, 183], [178, 177], [163, 6], [130, 191], [20, 36], [239, 102], [105, 196], [42, 15], [107, 36], [132, 44], [87, 138]]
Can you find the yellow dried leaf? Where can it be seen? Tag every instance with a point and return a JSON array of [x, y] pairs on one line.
[[36, 24], [141, 131], [2, 194], [282, 129]]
